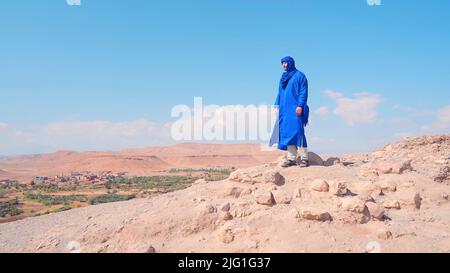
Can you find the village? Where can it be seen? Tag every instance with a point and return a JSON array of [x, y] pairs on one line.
[[78, 177]]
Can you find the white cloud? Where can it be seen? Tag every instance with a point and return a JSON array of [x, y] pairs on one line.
[[104, 135], [3, 126], [441, 123], [322, 111], [360, 109]]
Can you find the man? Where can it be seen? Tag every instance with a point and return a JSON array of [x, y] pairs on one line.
[[293, 114]]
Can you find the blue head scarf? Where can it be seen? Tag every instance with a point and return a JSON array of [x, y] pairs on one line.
[[290, 71]]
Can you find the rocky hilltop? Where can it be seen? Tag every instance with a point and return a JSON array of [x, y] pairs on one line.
[[392, 200]]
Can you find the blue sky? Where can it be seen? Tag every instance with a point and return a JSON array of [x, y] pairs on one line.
[[77, 77]]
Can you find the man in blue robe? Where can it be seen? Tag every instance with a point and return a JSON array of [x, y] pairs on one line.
[[293, 114]]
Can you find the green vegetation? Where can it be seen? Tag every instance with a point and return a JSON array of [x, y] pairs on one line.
[[166, 183], [13, 185], [110, 197], [204, 170], [50, 200], [9, 208]]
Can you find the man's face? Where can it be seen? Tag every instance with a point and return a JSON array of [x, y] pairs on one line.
[[284, 64]]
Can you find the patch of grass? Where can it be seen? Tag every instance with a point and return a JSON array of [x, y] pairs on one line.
[[110, 197], [166, 183], [10, 208], [50, 200]]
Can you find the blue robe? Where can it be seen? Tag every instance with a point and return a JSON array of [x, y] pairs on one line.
[[290, 128]]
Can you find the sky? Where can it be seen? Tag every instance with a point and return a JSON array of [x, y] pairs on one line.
[[105, 74]]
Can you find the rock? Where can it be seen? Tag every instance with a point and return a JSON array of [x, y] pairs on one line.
[[388, 186], [386, 166], [264, 198], [226, 236], [227, 216], [274, 177], [409, 198], [151, 249], [442, 175], [320, 185], [315, 215], [352, 218], [384, 235], [418, 200], [332, 161], [282, 197], [298, 193], [259, 174], [210, 209], [225, 207], [234, 192], [338, 188], [366, 197], [375, 210], [373, 190], [353, 204], [391, 204]]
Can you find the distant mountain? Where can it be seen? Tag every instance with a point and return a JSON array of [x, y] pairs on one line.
[[138, 162]]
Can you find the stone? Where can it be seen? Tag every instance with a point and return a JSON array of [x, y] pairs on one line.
[[316, 215], [273, 176], [373, 190], [409, 198], [353, 204], [226, 236], [387, 186], [298, 193], [338, 188], [282, 197], [392, 204], [264, 198], [375, 211], [227, 216], [225, 207], [151, 249], [332, 161], [234, 192], [320, 185], [384, 235]]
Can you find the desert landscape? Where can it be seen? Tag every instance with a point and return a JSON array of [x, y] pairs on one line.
[[32, 185], [239, 199]]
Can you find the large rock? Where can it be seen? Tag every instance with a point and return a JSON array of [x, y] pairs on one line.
[[282, 197], [338, 188], [259, 174], [353, 204], [264, 198], [315, 214], [375, 211], [408, 198], [320, 185]]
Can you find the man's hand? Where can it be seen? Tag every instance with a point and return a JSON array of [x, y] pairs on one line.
[[299, 111]]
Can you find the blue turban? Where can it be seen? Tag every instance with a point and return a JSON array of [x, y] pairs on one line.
[[290, 71]]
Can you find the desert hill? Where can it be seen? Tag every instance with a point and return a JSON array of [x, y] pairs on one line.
[[135, 162], [392, 200]]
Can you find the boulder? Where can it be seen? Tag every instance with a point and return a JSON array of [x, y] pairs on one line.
[[353, 204], [315, 215], [264, 198], [320, 185], [338, 188], [375, 211]]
